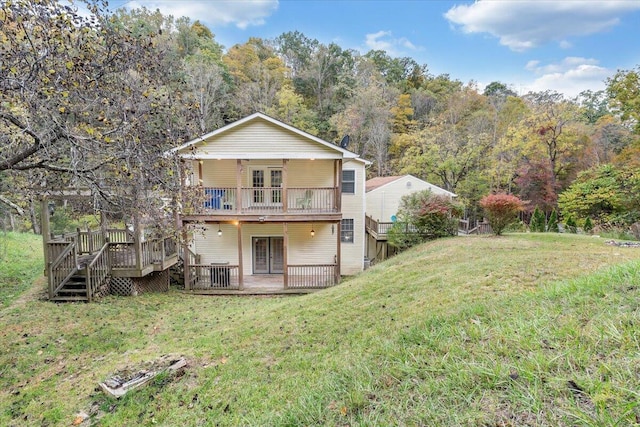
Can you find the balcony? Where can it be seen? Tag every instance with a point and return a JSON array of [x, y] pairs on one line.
[[301, 201]]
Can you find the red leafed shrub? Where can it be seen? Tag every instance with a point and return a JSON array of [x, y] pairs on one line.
[[501, 209]]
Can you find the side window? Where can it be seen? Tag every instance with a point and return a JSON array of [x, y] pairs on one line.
[[346, 231], [349, 182]]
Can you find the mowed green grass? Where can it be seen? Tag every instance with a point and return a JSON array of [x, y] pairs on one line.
[[524, 329], [20, 262]]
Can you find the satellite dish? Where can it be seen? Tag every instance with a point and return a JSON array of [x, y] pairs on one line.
[[345, 142]]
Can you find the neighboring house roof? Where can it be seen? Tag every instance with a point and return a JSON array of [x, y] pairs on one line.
[[381, 181], [346, 154]]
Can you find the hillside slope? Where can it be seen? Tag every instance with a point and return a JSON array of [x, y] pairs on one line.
[[516, 330]]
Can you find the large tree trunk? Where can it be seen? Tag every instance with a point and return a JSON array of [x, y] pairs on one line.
[[35, 221]]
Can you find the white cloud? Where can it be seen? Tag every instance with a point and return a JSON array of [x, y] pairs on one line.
[[522, 25], [242, 14], [384, 40], [570, 76]]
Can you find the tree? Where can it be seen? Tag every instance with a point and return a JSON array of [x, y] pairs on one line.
[[607, 194], [257, 73], [88, 100], [538, 221], [552, 225], [624, 90], [501, 209], [424, 216]]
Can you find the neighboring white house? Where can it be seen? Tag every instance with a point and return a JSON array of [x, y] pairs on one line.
[[276, 204], [382, 203]]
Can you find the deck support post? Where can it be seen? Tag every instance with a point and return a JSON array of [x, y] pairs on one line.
[[45, 229], [285, 185], [240, 273], [338, 254], [238, 186], [285, 258]]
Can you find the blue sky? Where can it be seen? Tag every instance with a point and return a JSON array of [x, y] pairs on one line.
[[568, 46]]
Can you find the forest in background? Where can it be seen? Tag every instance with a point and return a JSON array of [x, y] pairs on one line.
[[93, 102]]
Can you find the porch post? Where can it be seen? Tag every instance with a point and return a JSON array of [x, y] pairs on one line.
[[285, 258], [285, 184], [186, 255], [238, 187], [137, 240], [45, 228], [339, 186], [338, 255], [240, 273]]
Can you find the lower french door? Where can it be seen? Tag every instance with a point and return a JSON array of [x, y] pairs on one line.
[[268, 255]]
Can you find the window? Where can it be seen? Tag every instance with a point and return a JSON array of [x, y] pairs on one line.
[[346, 231], [349, 181]]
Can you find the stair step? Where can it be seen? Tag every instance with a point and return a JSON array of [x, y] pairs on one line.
[[72, 291], [60, 298]]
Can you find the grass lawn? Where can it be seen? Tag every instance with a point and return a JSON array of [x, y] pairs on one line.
[[20, 263], [524, 329]]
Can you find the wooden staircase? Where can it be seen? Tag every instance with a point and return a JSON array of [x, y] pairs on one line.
[[75, 289]]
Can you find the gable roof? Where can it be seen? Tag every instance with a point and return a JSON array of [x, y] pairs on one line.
[[381, 181], [260, 116]]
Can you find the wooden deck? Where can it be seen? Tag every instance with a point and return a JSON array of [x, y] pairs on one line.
[[79, 264]]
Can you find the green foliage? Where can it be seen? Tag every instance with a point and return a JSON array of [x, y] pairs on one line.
[[501, 209], [424, 216], [588, 225], [552, 225], [402, 236], [624, 91], [570, 225], [607, 194], [538, 221]]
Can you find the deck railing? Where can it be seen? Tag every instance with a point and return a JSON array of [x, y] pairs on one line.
[[381, 229], [214, 276], [97, 271], [89, 241], [224, 200], [118, 250], [63, 266], [312, 276], [466, 226]]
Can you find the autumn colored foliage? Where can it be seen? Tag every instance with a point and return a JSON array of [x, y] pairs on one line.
[[501, 210]]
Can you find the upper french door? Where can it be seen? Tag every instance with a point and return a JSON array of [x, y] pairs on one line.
[[266, 185]]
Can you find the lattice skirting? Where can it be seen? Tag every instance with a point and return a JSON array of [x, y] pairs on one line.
[[155, 282], [122, 286]]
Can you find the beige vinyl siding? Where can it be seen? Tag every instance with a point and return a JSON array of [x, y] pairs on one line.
[[214, 248], [218, 173], [301, 173], [304, 249], [260, 139], [310, 173], [352, 254]]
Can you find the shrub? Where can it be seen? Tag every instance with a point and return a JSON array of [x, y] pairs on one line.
[[538, 222], [501, 210], [588, 225], [571, 225], [423, 216], [552, 225]]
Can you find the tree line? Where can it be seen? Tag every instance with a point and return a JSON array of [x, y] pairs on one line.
[[93, 102]]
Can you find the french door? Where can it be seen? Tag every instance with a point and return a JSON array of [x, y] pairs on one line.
[[266, 185], [268, 255]]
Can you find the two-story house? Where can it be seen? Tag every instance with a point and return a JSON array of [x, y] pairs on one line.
[[277, 205]]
